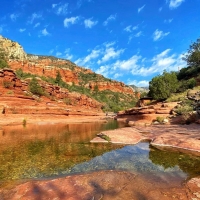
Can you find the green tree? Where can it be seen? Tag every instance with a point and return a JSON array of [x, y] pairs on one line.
[[162, 86], [193, 56], [58, 79], [3, 64], [35, 87]]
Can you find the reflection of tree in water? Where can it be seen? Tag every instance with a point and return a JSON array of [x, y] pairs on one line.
[[168, 159]]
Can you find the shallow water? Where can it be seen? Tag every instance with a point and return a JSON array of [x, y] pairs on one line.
[[47, 151], [38, 151]]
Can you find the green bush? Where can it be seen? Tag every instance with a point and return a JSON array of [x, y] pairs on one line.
[[184, 109], [3, 64], [186, 84], [161, 87], [160, 119], [35, 87]]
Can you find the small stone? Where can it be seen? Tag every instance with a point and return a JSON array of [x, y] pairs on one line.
[[165, 121]]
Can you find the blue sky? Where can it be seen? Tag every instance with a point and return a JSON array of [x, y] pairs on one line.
[[126, 40]]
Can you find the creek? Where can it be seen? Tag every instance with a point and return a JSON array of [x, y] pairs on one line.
[[56, 150]]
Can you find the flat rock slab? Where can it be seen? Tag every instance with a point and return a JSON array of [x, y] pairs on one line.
[[117, 185], [183, 138]]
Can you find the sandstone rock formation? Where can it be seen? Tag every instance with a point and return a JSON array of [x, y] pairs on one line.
[[49, 66], [12, 50], [13, 100], [146, 114]]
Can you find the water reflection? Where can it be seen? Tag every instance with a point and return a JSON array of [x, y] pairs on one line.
[[56, 150], [187, 163], [47, 150], [141, 159]]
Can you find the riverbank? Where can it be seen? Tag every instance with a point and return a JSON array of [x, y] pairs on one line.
[[182, 138], [112, 184], [20, 119]]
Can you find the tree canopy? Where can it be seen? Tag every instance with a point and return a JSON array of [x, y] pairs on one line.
[[193, 56], [162, 86]]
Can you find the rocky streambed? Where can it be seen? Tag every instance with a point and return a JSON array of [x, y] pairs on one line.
[[182, 138], [134, 170]]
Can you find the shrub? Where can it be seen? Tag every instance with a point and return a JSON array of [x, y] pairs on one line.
[[160, 119], [35, 88], [184, 109], [3, 64], [7, 84], [24, 122], [162, 86]]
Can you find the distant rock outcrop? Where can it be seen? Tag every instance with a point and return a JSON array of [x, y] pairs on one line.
[[11, 49], [49, 66]]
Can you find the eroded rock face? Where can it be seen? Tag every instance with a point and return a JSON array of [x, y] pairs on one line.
[[12, 50], [9, 81], [113, 86], [49, 66]]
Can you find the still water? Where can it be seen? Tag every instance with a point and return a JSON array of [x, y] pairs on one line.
[[46, 151]]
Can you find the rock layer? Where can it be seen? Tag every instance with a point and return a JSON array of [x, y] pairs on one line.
[[103, 185], [173, 137]]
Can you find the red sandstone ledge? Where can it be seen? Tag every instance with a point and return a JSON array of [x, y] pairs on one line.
[[182, 138], [103, 185]]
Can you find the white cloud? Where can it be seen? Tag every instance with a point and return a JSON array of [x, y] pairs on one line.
[[80, 2], [58, 54], [136, 65], [89, 23], [128, 28], [175, 3], [36, 25], [71, 20], [141, 8], [13, 17], [54, 5], [94, 54], [127, 64], [135, 27], [109, 44], [60, 9], [168, 20], [22, 30], [51, 51], [158, 35], [110, 18], [110, 53], [131, 28], [67, 54], [33, 17], [142, 83], [160, 9], [164, 61], [138, 34], [1, 29], [45, 32], [161, 62], [117, 75], [103, 70]]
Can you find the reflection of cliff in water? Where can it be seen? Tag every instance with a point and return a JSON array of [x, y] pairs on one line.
[[48, 150], [169, 159]]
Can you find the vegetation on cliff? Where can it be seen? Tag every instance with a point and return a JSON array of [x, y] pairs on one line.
[[113, 95], [111, 101]]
